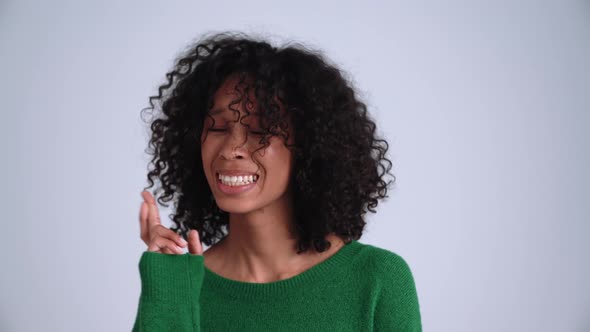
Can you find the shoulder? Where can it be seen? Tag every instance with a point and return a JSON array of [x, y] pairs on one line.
[[397, 307], [386, 266], [383, 259]]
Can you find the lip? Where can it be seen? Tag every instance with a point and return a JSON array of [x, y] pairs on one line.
[[233, 190], [234, 172]]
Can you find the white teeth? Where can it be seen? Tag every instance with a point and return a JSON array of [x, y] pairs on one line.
[[237, 180]]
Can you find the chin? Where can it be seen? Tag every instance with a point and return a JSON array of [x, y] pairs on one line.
[[231, 206]]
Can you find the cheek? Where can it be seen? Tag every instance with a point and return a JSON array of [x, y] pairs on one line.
[[277, 160], [207, 154]]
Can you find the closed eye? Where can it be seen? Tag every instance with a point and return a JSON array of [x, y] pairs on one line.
[[223, 129]]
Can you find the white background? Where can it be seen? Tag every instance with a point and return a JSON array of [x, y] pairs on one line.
[[486, 106]]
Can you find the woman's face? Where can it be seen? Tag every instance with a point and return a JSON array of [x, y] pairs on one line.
[[227, 148]]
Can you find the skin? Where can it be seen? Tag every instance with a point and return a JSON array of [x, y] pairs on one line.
[[259, 247]]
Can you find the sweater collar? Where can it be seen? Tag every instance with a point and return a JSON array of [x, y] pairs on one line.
[[318, 274]]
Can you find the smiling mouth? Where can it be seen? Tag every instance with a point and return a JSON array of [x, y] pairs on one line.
[[237, 180]]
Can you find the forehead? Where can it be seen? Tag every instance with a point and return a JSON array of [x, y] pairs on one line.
[[224, 111], [235, 87], [230, 97]]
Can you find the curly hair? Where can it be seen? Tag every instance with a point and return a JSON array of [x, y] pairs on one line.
[[339, 162]]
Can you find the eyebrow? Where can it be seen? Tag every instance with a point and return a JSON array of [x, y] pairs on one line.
[[216, 111]]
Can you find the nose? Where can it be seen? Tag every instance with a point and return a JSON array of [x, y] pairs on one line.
[[235, 143]]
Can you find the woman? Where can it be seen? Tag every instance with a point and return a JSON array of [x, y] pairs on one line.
[[272, 162]]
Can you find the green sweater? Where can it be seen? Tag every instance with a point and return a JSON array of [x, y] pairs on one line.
[[359, 288]]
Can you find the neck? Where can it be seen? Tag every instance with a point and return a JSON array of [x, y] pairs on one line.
[[261, 248]]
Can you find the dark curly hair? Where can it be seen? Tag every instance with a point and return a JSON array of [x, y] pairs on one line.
[[339, 162]]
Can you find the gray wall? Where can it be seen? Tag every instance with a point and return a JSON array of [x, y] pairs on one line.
[[485, 106]]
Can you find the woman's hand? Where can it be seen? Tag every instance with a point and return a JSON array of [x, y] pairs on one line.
[[159, 238]]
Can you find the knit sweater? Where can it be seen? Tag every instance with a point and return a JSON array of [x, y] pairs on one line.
[[359, 288]]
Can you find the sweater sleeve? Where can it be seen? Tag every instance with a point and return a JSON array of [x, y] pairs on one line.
[[170, 291], [397, 308]]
